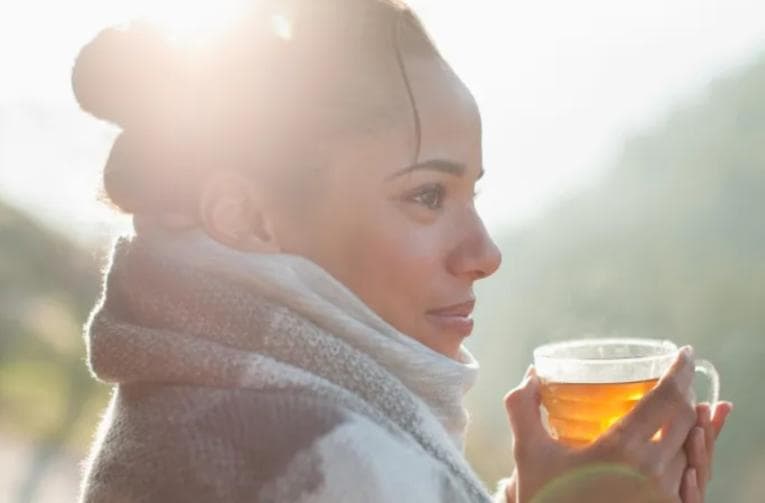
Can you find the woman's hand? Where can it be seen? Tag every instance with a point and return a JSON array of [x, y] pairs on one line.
[[699, 448], [627, 463]]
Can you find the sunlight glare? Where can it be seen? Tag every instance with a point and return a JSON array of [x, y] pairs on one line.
[[281, 26], [194, 21]]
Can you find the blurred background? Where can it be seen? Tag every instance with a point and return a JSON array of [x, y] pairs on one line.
[[625, 183]]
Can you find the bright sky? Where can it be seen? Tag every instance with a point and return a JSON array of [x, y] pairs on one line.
[[560, 83]]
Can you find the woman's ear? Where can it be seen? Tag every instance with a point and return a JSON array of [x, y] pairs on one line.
[[233, 213]]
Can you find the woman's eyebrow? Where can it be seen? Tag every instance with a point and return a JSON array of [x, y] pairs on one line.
[[441, 165]]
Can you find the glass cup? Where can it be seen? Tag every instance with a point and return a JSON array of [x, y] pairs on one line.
[[589, 384]]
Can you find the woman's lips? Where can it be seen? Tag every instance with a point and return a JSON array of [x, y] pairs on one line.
[[455, 318]]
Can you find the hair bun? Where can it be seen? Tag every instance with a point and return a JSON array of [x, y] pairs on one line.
[[127, 75]]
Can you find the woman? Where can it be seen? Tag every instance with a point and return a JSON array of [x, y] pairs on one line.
[[286, 324]]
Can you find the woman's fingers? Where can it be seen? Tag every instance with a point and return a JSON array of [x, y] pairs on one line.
[[522, 404], [675, 433], [661, 403], [538, 457], [722, 410], [690, 491], [511, 488], [667, 408], [670, 478], [712, 427], [698, 456], [705, 423], [699, 446]]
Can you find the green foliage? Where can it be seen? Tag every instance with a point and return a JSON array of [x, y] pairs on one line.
[[671, 244], [48, 287]]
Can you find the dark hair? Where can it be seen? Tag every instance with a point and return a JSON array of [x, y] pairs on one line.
[[246, 99]]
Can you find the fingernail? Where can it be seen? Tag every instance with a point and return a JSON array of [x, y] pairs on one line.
[[529, 371], [726, 410], [687, 352]]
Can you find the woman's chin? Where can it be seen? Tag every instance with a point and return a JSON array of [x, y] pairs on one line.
[[446, 336]]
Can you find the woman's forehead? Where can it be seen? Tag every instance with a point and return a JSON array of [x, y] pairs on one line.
[[415, 109], [439, 120], [446, 112], [442, 107]]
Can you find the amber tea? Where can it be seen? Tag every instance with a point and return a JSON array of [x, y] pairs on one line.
[[589, 384], [578, 413]]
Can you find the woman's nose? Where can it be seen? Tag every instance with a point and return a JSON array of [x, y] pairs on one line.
[[476, 255]]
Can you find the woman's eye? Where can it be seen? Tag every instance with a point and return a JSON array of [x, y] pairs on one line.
[[431, 196]]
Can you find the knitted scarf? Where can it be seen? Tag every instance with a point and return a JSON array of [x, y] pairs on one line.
[[178, 307]]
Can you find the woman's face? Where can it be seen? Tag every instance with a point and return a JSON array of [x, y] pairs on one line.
[[403, 233]]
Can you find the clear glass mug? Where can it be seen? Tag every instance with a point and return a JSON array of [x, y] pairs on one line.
[[589, 384]]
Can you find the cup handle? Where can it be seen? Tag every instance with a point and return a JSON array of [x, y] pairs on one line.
[[709, 370]]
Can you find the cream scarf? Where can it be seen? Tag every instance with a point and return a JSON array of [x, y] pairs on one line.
[[179, 307]]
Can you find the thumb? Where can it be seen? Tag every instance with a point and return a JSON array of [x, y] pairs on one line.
[[522, 404]]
